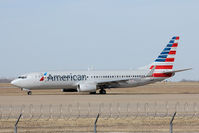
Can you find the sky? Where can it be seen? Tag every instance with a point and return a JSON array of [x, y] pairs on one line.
[[45, 35]]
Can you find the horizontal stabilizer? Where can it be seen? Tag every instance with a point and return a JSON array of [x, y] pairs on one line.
[[181, 70]]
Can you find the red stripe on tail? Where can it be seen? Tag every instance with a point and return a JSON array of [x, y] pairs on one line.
[[177, 38], [162, 74], [169, 60], [163, 67], [172, 52], [175, 45]]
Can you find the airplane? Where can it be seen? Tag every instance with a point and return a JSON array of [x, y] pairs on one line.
[[91, 81]]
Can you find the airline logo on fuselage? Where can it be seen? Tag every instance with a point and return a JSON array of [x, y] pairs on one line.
[[69, 77], [44, 77]]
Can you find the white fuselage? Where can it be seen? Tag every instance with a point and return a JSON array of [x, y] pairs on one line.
[[71, 79]]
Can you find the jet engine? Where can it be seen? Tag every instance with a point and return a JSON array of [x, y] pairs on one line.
[[89, 87]]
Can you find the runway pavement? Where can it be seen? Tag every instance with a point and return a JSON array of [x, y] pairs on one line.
[[73, 99], [187, 92]]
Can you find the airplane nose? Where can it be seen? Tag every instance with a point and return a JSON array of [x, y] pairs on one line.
[[13, 82], [16, 83]]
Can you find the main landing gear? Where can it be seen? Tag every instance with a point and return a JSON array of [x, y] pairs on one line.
[[29, 92], [102, 91], [93, 92]]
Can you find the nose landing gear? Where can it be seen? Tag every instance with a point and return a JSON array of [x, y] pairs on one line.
[[28, 91]]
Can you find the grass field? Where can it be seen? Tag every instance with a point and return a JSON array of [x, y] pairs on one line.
[[140, 124]]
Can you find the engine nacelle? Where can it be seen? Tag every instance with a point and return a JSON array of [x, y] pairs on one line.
[[87, 87]]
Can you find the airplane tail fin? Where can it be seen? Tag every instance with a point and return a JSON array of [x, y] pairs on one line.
[[164, 62]]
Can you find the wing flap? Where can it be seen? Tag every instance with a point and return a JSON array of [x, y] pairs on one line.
[[112, 82]]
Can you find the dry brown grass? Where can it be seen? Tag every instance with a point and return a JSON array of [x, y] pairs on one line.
[[142, 124]]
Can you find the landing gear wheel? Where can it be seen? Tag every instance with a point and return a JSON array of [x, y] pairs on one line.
[[102, 91], [93, 92], [29, 92]]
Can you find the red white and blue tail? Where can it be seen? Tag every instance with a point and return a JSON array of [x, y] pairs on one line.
[[164, 62]]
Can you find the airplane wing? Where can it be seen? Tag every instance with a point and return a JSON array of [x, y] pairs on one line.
[[150, 74], [107, 84], [124, 80]]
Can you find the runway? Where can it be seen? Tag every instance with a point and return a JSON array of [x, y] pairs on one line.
[[73, 99], [186, 92]]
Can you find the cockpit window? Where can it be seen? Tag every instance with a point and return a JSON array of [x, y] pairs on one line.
[[22, 77]]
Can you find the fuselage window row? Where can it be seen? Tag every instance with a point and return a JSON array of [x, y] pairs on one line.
[[127, 76]]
